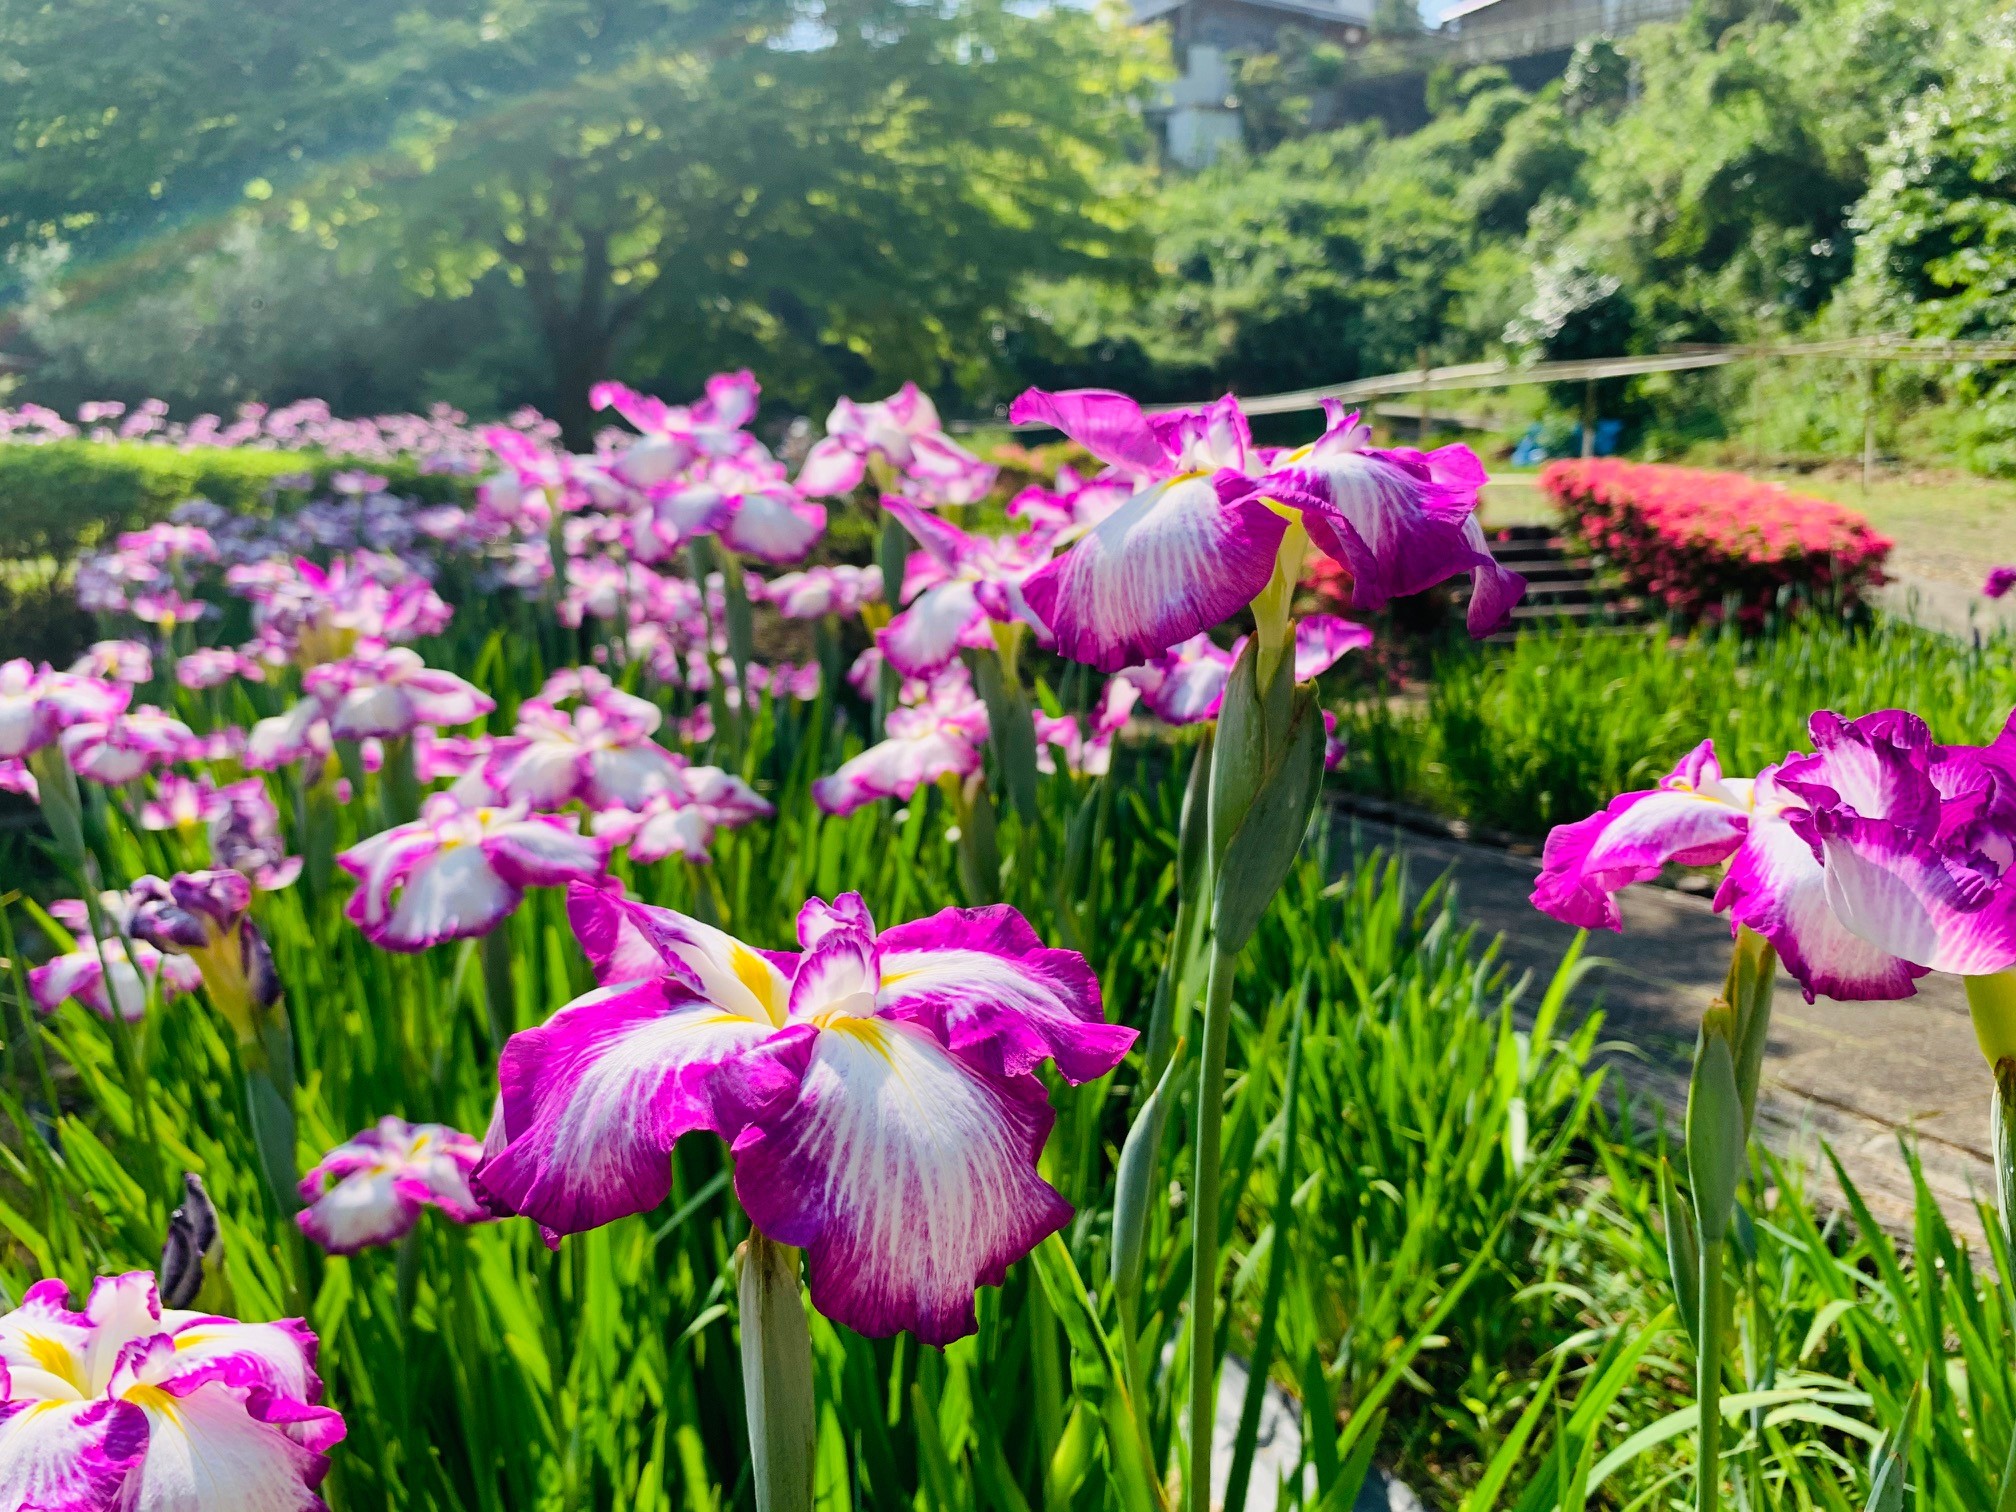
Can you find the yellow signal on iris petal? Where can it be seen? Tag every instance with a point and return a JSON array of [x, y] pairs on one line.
[[153, 1399], [755, 973], [55, 1358]]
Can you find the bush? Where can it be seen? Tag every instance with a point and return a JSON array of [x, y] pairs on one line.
[[1702, 542], [56, 496]]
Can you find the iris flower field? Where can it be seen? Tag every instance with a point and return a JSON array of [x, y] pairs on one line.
[[709, 977]]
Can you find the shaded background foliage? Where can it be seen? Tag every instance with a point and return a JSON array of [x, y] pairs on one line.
[[421, 200]]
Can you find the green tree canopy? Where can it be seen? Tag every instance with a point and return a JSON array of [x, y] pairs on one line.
[[845, 192]]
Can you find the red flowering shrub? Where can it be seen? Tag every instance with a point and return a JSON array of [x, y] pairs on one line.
[[1697, 540]]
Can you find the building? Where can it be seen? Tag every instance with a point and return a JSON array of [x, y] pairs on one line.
[[1507, 31], [1198, 115]]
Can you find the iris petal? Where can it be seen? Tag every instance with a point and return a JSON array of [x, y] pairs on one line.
[[906, 1174], [1173, 561]]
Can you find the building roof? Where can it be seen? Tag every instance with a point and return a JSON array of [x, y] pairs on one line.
[[1466, 8], [1341, 11]]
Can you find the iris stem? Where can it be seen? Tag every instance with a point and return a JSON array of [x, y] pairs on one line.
[[1708, 1379], [1204, 1225], [2002, 1139], [1991, 1000], [776, 1376]]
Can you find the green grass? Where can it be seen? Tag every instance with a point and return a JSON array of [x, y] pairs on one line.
[[1551, 727], [1453, 1264]]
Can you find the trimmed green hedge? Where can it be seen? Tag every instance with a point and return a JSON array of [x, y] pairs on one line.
[[60, 495]]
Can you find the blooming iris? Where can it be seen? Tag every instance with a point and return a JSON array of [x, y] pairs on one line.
[[36, 705], [119, 749], [1875, 858], [214, 666], [206, 917], [941, 736], [1921, 856], [824, 590], [673, 436], [601, 755], [904, 433], [110, 976], [182, 803], [117, 661], [391, 692], [954, 587], [131, 1407], [245, 836], [878, 1090], [382, 1179], [681, 820], [1186, 683], [1202, 535], [457, 872]]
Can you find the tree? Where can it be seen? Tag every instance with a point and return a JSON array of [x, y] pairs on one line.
[[854, 199], [849, 189]]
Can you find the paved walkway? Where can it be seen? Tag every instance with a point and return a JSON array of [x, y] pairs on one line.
[[1854, 1074]]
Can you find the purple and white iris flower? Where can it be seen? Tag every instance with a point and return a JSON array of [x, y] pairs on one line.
[[1076, 504], [371, 1189], [878, 1091], [245, 837], [1398, 520], [1210, 524], [124, 747], [601, 755], [956, 588], [902, 432], [111, 975], [2000, 581], [37, 705], [819, 591], [1088, 756], [389, 693], [212, 667], [674, 436], [1920, 854], [314, 614], [1186, 684], [454, 873], [206, 918], [128, 1406], [940, 738], [1875, 859], [124, 661], [182, 803], [682, 820], [766, 519]]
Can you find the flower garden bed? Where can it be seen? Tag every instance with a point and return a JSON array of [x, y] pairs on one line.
[[1709, 544]]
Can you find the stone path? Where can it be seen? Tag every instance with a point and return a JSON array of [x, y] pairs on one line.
[[1856, 1075]]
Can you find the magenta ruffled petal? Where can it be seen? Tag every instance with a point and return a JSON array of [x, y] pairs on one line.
[[595, 1098], [1171, 562], [616, 947], [69, 1456], [1691, 819], [1777, 887], [1107, 424], [1946, 912], [986, 986], [906, 1174]]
